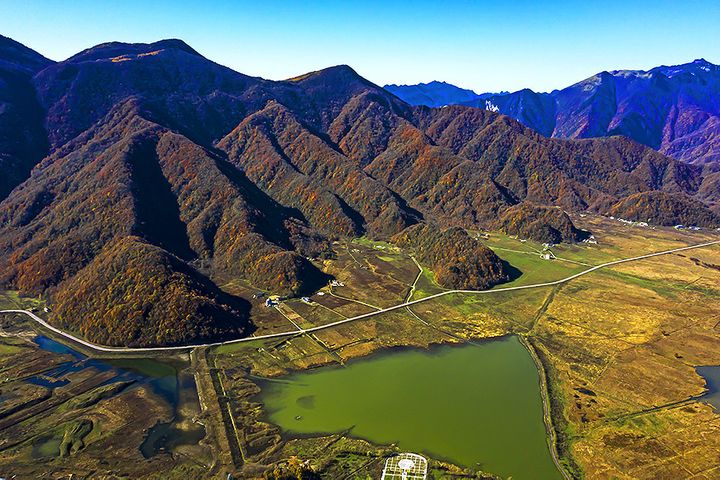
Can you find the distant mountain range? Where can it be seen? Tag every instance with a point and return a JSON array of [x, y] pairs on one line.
[[675, 110], [434, 94], [138, 178]]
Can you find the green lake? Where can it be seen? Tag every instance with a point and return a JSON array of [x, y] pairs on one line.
[[477, 405]]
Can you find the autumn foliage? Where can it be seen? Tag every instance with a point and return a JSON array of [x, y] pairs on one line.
[[541, 223], [458, 260], [165, 175], [661, 208], [136, 294]]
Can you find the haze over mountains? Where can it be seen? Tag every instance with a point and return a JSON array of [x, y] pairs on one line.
[[675, 110], [139, 177]]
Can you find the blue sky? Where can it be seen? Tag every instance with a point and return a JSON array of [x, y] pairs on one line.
[[483, 45]]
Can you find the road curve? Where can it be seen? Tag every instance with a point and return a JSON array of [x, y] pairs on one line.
[[101, 348]]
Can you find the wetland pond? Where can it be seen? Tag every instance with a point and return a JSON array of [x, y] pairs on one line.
[[164, 378], [476, 405]]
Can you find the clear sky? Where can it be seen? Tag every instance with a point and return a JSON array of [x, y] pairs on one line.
[[483, 45]]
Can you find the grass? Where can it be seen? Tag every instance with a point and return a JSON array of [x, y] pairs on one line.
[[11, 300], [499, 241], [606, 334], [9, 346], [243, 347], [534, 269], [426, 285], [588, 254], [73, 437], [310, 315], [48, 447], [668, 290], [667, 287], [367, 242]]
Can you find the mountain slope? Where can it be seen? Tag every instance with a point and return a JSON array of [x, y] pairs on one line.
[[572, 174], [181, 88], [126, 178], [14, 56], [276, 151], [177, 305], [536, 110], [457, 259], [663, 209], [22, 136], [165, 169]]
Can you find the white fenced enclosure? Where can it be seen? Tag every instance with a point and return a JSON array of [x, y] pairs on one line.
[[406, 466]]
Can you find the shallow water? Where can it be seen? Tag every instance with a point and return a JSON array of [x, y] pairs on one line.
[[55, 347], [162, 378], [475, 405], [168, 436], [179, 431]]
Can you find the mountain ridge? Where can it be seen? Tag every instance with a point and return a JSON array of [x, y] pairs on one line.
[[215, 177], [673, 109]]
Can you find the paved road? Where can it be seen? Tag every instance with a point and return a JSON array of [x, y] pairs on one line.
[[101, 348]]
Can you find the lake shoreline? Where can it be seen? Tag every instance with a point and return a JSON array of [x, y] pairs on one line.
[[547, 413], [495, 393]]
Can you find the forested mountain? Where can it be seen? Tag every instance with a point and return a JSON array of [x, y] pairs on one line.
[[162, 175], [675, 110], [458, 260]]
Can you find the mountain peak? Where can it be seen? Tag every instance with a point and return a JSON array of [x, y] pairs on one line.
[[114, 50], [334, 80], [699, 65], [344, 68], [337, 72], [175, 43]]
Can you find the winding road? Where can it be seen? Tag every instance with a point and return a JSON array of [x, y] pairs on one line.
[[101, 348]]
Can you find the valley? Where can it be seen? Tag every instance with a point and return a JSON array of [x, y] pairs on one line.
[[616, 349], [209, 274]]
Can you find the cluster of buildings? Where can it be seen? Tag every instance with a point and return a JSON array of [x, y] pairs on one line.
[[631, 222], [274, 300], [591, 239]]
